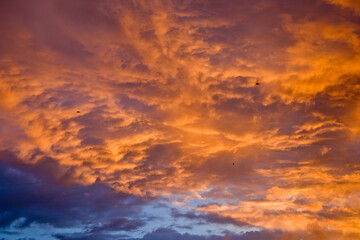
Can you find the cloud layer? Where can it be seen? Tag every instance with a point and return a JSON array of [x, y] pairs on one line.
[[233, 113]]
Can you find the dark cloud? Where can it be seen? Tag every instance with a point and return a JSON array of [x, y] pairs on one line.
[[131, 103], [43, 22], [161, 156], [30, 194], [92, 142], [87, 14], [208, 218], [312, 234], [89, 236], [95, 126], [104, 230], [165, 233], [66, 97], [339, 99]]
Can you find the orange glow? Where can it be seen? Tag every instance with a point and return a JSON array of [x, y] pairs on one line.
[[160, 100]]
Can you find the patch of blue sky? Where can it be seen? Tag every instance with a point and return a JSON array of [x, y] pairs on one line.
[[34, 231], [159, 215]]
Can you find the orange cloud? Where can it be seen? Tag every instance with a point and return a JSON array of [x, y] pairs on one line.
[[353, 4], [160, 100]]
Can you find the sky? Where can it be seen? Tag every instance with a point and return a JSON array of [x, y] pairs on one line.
[[180, 119]]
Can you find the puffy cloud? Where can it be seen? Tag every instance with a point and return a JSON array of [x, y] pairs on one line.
[[160, 101]]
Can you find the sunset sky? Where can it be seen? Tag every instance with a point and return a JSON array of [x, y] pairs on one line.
[[142, 119]]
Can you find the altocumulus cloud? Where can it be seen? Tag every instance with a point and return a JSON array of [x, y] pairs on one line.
[[134, 119]]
